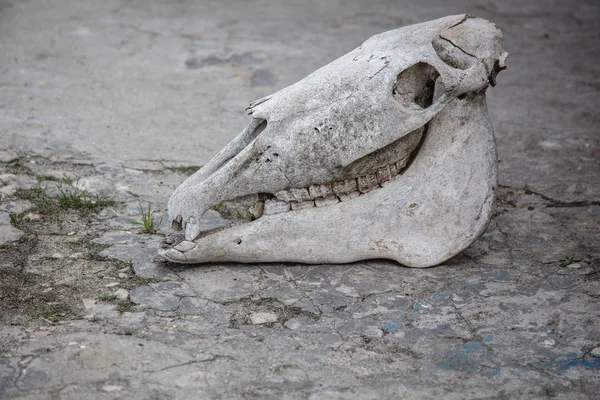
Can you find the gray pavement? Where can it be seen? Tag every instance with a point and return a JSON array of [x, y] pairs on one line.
[[118, 98]]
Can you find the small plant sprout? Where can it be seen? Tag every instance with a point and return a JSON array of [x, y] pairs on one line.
[[146, 281], [570, 258], [75, 198], [147, 223], [108, 297], [124, 306]]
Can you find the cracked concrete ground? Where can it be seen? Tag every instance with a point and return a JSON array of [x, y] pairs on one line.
[[124, 99]]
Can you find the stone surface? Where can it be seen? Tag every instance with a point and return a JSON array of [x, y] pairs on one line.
[[262, 318], [8, 233], [115, 90], [341, 123]]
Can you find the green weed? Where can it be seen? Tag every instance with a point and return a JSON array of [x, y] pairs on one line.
[[108, 297], [74, 198], [44, 205], [185, 170], [125, 306], [570, 258], [146, 281], [50, 313], [17, 220], [147, 223]]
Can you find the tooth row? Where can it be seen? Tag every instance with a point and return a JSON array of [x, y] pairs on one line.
[[295, 199], [362, 184]]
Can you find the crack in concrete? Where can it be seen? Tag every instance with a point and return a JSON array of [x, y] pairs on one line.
[[554, 203]]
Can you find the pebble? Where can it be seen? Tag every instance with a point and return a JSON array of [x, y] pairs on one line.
[[122, 275], [122, 294], [111, 388], [374, 333], [549, 343], [39, 334], [56, 256], [595, 351], [73, 239], [89, 303], [9, 190], [292, 324], [33, 217], [262, 318], [107, 213], [112, 284]]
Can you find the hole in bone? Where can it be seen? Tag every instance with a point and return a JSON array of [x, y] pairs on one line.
[[176, 224], [415, 86]]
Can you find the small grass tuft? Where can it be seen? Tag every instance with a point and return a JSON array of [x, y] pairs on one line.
[[42, 178], [108, 297], [217, 207], [146, 281], [125, 306], [74, 198], [17, 220], [147, 223], [128, 263], [44, 205], [190, 170], [50, 313], [570, 258]]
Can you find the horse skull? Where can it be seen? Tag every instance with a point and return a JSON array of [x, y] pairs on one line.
[[387, 152]]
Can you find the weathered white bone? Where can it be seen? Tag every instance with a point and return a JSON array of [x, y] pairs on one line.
[[387, 152]]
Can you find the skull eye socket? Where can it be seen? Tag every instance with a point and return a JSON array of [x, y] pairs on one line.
[[415, 86]]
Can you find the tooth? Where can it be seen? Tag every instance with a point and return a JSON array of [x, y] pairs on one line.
[[367, 183], [274, 206], [300, 194], [319, 191], [326, 201], [401, 164], [349, 196], [342, 187], [302, 205], [383, 175], [192, 229], [257, 210], [393, 170], [174, 254], [293, 194], [185, 246], [283, 195]]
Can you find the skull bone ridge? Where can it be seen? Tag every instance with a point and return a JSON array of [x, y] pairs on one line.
[[387, 152]]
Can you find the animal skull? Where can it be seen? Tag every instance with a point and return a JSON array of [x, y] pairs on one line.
[[387, 152]]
